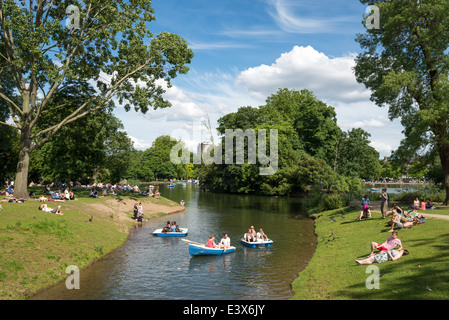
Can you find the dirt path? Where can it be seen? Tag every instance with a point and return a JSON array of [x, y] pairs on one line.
[[436, 216]]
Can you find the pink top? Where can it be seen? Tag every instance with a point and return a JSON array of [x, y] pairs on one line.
[[210, 243], [392, 243]]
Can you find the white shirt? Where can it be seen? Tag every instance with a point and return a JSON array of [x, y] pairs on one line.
[[226, 242]]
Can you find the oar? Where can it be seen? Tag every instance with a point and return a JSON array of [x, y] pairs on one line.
[[192, 241]]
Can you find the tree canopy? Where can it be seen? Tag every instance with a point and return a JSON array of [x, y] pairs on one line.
[[405, 64], [105, 45]]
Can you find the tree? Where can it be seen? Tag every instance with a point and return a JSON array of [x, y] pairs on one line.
[[405, 64], [355, 157], [157, 159], [315, 122], [102, 43]]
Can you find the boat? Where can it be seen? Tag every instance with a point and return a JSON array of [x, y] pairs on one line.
[[202, 250], [260, 243], [374, 189], [159, 233]]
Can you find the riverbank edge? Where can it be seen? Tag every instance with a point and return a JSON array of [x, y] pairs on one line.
[[130, 226], [315, 217]]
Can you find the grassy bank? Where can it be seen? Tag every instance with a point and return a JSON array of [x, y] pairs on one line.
[[332, 273], [36, 247]]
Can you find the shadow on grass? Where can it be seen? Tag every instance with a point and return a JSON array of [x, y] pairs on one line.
[[418, 276]]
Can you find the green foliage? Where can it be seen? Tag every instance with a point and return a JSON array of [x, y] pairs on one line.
[[110, 55], [405, 64], [313, 152]]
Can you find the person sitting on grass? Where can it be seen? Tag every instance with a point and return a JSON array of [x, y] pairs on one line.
[[365, 213], [390, 255], [416, 203], [57, 210], [365, 208], [390, 244]]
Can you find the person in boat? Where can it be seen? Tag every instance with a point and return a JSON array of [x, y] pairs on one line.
[[225, 242], [261, 235], [211, 242], [174, 227], [167, 228], [249, 236]]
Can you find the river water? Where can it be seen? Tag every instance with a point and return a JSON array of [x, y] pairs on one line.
[[151, 267]]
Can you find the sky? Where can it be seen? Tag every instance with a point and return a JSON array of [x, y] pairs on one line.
[[245, 50]]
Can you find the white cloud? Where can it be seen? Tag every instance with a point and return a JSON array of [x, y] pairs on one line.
[[368, 123], [292, 21], [331, 79], [383, 148], [139, 144], [216, 93]]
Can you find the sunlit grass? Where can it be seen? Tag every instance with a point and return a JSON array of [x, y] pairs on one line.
[[332, 273]]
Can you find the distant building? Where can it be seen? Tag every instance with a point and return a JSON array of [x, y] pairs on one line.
[[202, 147]]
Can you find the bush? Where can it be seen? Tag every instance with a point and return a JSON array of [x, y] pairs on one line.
[[318, 201], [423, 195], [334, 201]]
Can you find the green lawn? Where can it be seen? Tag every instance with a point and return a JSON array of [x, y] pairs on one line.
[[36, 247], [332, 273]]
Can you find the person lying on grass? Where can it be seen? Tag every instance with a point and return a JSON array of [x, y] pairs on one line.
[[390, 255], [400, 221], [11, 199], [45, 199], [57, 210]]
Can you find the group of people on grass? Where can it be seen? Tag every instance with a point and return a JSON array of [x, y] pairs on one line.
[[399, 217], [8, 192], [149, 192], [392, 248]]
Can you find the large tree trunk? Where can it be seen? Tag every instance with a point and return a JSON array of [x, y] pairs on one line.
[[444, 157], [21, 182]]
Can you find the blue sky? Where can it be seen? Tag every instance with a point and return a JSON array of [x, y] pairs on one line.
[[245, 50]]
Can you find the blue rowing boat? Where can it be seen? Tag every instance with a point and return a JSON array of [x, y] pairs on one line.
[[260, 243], [159, 233], [202, 250]]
